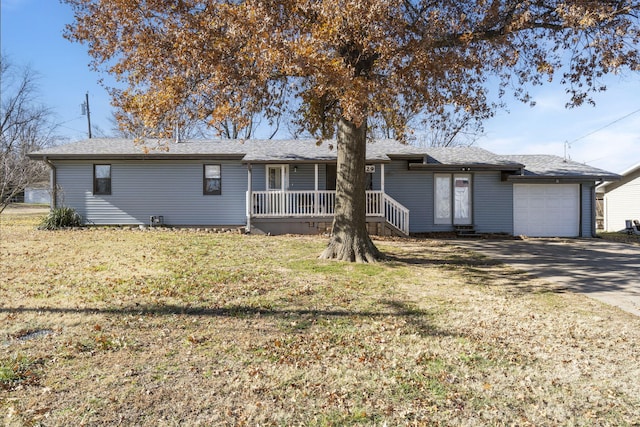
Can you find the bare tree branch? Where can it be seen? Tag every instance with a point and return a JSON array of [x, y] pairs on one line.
[[25, 126]]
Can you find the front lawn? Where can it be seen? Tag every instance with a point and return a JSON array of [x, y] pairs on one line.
[[172, 327]]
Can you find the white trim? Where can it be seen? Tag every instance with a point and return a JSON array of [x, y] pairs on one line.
[[284, 176], [316, 177], [442, 208], [457, 208], [249, 198]]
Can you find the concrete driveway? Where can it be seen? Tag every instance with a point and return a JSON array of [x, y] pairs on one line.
[[604, 270]]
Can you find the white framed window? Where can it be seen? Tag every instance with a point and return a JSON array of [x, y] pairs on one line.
[[102, 179], [212, 180]]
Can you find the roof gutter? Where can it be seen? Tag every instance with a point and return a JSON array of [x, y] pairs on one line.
[[555, 179], [171, 156], [464, 167], [54, 182]]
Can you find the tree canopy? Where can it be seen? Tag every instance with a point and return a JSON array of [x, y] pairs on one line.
[[351, 58], [327, 61]]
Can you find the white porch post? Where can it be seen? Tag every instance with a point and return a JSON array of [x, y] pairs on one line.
[[316, 199], [384, 195], [249, 197]]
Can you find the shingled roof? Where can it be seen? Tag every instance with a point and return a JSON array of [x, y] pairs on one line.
[[549, 166], [462, 158], [114, 148], [254, 151], [520, 167]]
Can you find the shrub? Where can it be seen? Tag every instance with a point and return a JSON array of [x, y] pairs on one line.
[[60, 218]]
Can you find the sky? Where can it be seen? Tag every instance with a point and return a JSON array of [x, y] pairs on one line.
[[606, 136]]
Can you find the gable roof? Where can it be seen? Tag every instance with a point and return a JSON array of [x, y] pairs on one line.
[[627, 175], [515, 167]]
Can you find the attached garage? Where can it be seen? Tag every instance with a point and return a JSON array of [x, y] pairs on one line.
[[546, 210]]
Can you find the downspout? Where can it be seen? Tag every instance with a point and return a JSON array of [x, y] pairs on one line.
[[581, 226], [54, 183]]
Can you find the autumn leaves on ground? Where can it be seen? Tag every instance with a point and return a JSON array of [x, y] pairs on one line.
[[111, 326]]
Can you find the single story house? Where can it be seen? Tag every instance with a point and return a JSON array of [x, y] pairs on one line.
[[621, 199], [288, 186]]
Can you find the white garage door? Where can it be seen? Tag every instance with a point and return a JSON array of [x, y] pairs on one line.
[[546, 210]]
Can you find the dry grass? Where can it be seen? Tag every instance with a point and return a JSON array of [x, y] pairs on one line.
[[186, 328], [633, 239]]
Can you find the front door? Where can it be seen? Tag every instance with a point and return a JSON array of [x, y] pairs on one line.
[[277, 177], [452, 199], [462, 199]]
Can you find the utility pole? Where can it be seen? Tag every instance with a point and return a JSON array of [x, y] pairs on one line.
[[87, 112]]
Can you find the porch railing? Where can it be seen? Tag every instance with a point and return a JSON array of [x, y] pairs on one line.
[[282, 204], [396, 214]]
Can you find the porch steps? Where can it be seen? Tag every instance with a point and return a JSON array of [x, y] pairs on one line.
[[465, 231], [384, 228], [392, 230]]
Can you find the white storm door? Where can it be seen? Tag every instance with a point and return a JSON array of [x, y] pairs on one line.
[[462, 199], [442, 199], [277, 183]]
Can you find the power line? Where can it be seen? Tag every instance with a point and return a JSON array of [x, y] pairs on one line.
[[604, 127]]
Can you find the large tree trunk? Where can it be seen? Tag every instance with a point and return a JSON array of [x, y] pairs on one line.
[[349, 238]]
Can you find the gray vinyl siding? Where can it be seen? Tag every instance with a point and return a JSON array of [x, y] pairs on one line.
[[414, 190], [322, 177], [302, 177], [492, 199], [376, 178], [140, 189], [258, 177], [587, 214], [492, 203]]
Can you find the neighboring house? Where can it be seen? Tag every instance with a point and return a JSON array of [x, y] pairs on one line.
[[289, 187], [621, 200], [38, 193]]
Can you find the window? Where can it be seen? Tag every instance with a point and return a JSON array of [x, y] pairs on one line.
[[212, 180], [101, 179]]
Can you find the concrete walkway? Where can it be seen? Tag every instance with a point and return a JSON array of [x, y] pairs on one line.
[[604, 270]]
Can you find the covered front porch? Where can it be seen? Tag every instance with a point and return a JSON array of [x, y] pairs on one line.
[[279, 204]]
